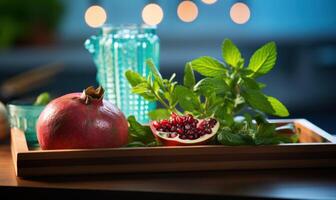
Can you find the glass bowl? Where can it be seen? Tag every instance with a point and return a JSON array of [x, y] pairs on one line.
[[25, 117]]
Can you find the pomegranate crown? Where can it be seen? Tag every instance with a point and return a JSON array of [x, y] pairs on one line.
[[90, 93]]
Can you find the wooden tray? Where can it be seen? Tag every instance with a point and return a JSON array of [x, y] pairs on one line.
[[317, 149]]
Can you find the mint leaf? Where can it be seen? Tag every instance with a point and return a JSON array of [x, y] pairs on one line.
[[136, 144], [261, 85], [278, 107], [208, 66], [264, 103], [155, 72], [231, 53], [250, 83], [209, 85], [138, 132], [222, 113], [140, 88], [172, 77], [159, 114], [257, 100], [266, 134], [226, 137], [153, 68], [189, 77], [134, 78], [187, 99], [263, 60], [265, 130]]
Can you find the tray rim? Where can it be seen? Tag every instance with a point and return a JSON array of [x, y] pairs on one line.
[[331, 141], [23, 156]]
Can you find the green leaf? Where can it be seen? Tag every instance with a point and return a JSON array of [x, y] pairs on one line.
[[265, 130], [189, 77], [208, 66], [174, 98], [261, 85], [138, 132], [264, 103], [263, 60], [209, 85], [222, 113], [250, 83], [245, 72], [155, 72], [266, 140], [153, 144], [159, 114], [136, 144], [140, 88], [278, 107], [257, 100], [226, 137], [266, 134], [172, 77], [231, 53], [156, 86], [148, 96], [134, 78], [187, 99], [153, 68]]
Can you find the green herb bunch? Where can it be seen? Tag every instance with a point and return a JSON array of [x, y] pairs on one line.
[[227, 89]]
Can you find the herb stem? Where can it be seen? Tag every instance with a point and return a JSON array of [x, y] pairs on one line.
[[160, 99]]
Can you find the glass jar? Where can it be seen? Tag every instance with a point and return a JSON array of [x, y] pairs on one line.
[[25, 117], [119, 48]]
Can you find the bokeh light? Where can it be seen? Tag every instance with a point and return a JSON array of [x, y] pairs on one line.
[[152, 14], [187, 11], [240, 13], [95, 16], [209, 1]]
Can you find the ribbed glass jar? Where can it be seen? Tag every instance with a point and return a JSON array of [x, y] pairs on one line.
[[119, 48]]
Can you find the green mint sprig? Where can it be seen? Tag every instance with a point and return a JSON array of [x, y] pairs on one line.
[[227, 89]]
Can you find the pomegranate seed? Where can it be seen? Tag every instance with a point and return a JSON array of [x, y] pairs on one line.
[[182, 137], [179, 130], [207, 131], [190, 137], [174, 115], [156, 124], [164, 122], [187, 127]]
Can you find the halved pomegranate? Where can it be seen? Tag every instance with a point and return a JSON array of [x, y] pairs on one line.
[[184, 130]]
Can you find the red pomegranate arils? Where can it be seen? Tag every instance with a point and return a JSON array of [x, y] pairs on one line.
[[186, 127]]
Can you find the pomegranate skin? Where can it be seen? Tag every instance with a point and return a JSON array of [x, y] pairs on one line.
[[69, 123]]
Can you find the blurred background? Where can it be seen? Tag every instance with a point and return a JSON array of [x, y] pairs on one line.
[[51, 34]]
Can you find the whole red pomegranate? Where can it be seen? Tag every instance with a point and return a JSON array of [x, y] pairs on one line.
[[82, 120]]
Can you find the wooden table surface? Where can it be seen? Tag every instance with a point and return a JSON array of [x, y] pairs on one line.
[[282, 184]]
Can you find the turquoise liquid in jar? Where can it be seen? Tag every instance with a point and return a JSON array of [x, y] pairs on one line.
[[117, 49]]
